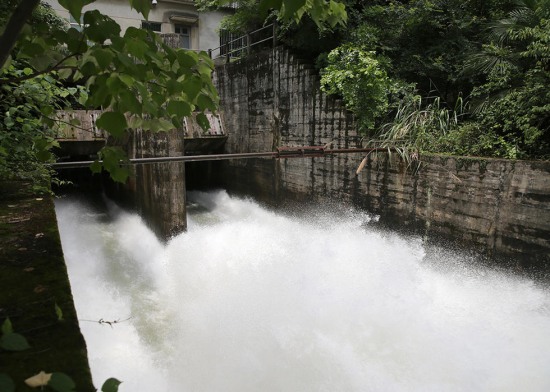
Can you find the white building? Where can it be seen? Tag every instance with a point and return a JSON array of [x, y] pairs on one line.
[[197, 30]]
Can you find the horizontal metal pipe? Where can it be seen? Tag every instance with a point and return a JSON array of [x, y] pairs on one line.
[[298, 152]]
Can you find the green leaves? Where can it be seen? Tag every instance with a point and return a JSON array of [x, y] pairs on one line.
[[58, 312], [103, 57], [357, 75], [10, 340], [60, 382], [57, 381], [111, 159], [293, 9], [141, 6], [110, 385], [135, 75], [113, 122], [267, 5], [14, 342], [187, 59], [330, 12], [74, 6], [99, 28], [179, 109], [137, 48], [203, 122]]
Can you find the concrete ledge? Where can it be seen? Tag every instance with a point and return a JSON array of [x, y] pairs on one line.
[[33, 279]]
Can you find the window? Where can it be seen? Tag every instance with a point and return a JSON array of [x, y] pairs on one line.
[[185, 36], [153, 26]]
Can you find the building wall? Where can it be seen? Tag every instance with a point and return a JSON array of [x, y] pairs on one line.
[[497, 206], [204, 33]]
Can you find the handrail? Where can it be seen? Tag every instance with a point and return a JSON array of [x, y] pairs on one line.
[[244, 36], [281, 153], [245, 42]]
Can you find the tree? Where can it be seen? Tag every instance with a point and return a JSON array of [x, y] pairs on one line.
[[465, 77], [358, 76], [138, 80], [513, 104], [24, 141], [252, 12]]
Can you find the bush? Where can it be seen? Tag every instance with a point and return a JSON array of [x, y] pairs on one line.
[[359, 78]]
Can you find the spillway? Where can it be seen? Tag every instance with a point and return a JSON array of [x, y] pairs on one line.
[[318, 299]]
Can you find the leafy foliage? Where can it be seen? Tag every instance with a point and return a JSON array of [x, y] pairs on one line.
[[420, 125], [356, 75], [10, 340], [57, 381], [25, 141], [514, 103], [140, 81], [245, 17], [60, 382], [491, 58], [110, 385], [251, 14]]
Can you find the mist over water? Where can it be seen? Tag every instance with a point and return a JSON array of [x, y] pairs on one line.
[[252, 300]]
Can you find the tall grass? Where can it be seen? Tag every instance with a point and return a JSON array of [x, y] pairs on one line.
[[417, 126]]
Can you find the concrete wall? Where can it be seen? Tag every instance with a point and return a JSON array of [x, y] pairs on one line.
[[156, 191], [500, 207]]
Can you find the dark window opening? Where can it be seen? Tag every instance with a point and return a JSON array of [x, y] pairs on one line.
[[152, 26]]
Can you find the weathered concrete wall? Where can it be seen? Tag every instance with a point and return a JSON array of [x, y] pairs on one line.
[[157, 190], [499, 206], [264, 106], [34, 282]]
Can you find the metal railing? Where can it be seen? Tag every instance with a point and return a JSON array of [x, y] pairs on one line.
[[280, 153], [242, 46]]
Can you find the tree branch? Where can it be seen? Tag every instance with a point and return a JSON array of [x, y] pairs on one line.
[[17, 20], [55, 67]]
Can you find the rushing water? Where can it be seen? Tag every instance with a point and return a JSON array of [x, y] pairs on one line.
[[252, 300]]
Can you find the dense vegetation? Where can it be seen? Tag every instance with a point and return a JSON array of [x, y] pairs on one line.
[[25, 142], [134, 76], [467, 77]]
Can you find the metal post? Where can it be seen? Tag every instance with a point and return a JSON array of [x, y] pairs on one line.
[[227, 53], [275, 34], [248, 44]]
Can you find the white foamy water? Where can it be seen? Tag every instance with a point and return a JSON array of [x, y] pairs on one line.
[[249, 300]]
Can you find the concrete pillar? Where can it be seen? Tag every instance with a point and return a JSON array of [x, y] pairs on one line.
[[160, 187]]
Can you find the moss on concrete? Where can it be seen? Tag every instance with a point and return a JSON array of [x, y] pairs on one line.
[[33, 279]]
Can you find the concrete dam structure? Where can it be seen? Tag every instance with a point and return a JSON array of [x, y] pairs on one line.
[[320, 297], [272, 99]]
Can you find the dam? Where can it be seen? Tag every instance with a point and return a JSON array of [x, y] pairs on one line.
[[296, 275], [307, 298]]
